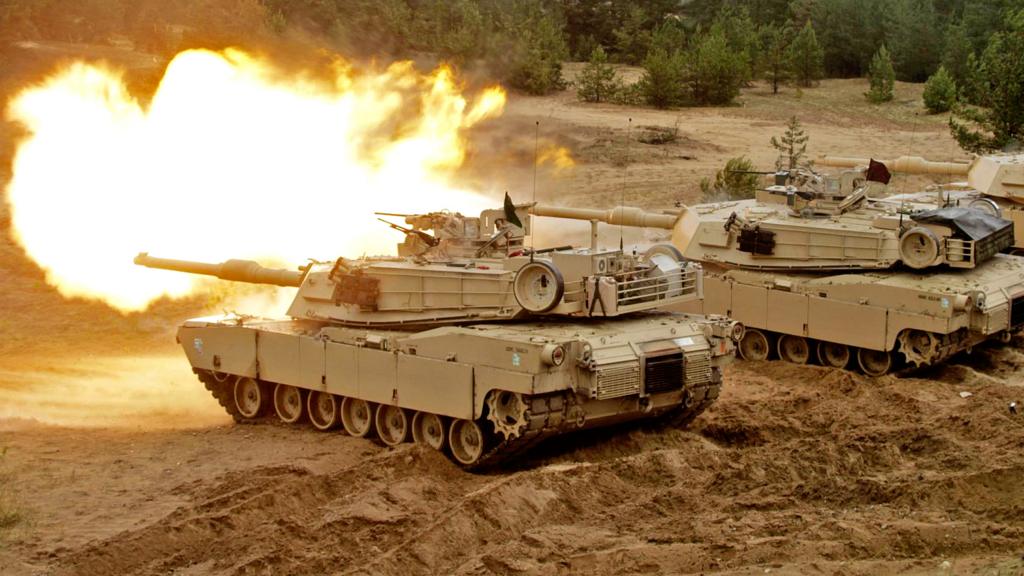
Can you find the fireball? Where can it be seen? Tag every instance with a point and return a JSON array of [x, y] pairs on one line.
[[231, 158]]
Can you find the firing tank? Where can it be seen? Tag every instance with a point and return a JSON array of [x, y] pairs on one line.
[[834, 277], [994, 184], [469, 342]]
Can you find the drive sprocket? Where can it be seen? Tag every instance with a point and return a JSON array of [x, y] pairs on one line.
[[509, 412], [920, 348]]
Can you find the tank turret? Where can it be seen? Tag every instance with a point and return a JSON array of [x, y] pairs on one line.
[[454, 269], [994, 184], [999, 176], [786, 228]]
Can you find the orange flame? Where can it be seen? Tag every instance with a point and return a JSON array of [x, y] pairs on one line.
[[230, 159], [558, 157]]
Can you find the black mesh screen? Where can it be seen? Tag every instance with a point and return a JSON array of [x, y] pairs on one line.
[[1017, 311], [664, 373]]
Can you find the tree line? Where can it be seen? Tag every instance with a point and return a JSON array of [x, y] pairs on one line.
[[692, 53]]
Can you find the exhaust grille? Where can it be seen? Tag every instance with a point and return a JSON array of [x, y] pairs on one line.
[[618, 380], [663, 373], [698, 367]]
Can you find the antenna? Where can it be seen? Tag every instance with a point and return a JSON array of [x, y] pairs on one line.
[[625, 174], [911, 145], [949, 174], [536, 145]]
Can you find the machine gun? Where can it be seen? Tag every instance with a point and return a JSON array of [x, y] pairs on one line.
[[425, 236]]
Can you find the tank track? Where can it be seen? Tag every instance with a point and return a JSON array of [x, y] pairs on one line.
[[547, 418], [906, 359], [536, 433], [682, 416], [224, 393]]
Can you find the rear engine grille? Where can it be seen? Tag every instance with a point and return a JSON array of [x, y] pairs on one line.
[[1017, 311], [698, 367], [663, 373], [618, 380]]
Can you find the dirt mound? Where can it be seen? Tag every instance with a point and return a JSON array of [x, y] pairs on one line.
[[796, 469]]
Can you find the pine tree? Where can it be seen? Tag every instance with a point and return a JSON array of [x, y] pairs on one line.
[[597, 82], [792, 146], [805, 57], [881, 76], [1000, 72], [455, 29], [971, 89], [940, 92], [913, 37], [670, 35], [538, 50], [715, 71], [773, 56], [632, 37], [741, 35], [662, 80], [958, 49]]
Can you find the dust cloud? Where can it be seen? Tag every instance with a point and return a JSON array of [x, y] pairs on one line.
[[147, 392]]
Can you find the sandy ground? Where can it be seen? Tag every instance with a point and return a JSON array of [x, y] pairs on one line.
[[116, 462]]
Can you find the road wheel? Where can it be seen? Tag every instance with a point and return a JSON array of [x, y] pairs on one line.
[[794, 349], [874, 362], [392, 424], [833, 355], [754, 345], [466, 439], [429, 429], [249, 397], [323, 410], [357, 416], [288, 403]]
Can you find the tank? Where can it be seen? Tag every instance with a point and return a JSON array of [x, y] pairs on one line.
[[787, 227], [469, 342], [994, 184], [843, 281]]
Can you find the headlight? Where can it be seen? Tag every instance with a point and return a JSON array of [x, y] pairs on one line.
[[736, 331], [553, 354]]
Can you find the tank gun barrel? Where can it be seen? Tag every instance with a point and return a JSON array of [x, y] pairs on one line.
[[903, 164], [682, 224], [234, 270], [622, 215]]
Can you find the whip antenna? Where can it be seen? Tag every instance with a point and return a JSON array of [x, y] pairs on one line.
[[536, 145], [625, 174]]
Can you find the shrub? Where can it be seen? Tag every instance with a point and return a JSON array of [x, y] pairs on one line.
[[736, 181], [940, 92]]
